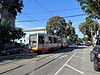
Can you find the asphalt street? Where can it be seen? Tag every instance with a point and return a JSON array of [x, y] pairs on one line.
[[69, 61]]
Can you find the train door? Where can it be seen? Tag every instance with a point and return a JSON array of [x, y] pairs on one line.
[[41, 42]]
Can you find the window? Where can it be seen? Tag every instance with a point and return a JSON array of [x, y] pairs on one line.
[[41, 40], [50, 39], [55, 40]]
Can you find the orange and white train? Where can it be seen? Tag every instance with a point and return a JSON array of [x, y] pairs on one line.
[[42, 43]]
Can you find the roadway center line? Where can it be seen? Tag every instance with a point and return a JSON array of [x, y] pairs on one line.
[[65, 63], [75, 69]]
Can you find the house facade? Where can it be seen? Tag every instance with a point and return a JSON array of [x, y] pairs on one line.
[[28, 32]]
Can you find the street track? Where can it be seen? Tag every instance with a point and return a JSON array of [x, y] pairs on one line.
[[37, 59]]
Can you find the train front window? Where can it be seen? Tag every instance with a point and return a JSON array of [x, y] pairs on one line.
[[33, 42]]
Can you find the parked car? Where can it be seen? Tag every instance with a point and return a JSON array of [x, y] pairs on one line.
[[88, 44], [95, 57], [12, 50]]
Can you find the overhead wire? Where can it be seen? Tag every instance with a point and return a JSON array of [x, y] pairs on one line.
[[43, 7], [54, 11], [47, 19]]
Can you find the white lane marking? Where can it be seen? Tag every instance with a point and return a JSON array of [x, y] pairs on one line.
[[79, 57], [65, 63], [63, 56], [75, 69], [54, 56]]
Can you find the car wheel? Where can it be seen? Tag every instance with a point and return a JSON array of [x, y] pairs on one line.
[[91, 59], [96, 66]]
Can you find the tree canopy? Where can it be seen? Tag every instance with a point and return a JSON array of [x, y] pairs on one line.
[[89, 27], [8, 33], [9, 9], [92, 7], [56, 25], [13, 6]]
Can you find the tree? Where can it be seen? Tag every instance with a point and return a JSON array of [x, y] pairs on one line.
[[79, 40], [82, 27], [75, 36], [89, 27], [85, 39], [70, 30], [13, 6], [9, 9], [69, 23], [56, 25], [16, 33], [8, 34], [92, 7]]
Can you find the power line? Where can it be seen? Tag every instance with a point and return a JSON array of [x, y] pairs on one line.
[[75, 15], [54, 11], [43, 7], [47, 19]]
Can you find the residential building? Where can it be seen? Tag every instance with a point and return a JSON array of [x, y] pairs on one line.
[[25, 39]]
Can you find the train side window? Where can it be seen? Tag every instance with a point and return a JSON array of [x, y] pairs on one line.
[[50, 39], [55, 40], [41, 40]]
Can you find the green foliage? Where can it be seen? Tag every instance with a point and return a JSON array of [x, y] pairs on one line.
[[56, 25], [79, 40], [70, 29], [89, 27], [74, 37], [8, 33], [92, 7], [85, 39], [13, 6], [69, 23]]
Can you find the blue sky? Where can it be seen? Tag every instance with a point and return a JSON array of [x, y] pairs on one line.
[[41, 10]]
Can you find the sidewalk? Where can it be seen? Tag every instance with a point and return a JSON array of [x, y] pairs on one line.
[[11, 58]]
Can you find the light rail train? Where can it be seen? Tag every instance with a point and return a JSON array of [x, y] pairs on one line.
[[43, 43]]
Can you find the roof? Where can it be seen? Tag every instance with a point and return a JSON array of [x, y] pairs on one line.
[[35, 29]]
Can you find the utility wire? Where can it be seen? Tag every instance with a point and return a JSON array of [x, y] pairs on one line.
[[43, 7], [47, 19], [75, 15], [54, 11]]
